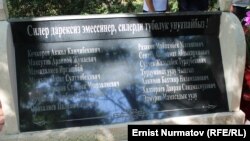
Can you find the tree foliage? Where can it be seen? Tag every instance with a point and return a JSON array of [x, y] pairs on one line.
[[37, 8]]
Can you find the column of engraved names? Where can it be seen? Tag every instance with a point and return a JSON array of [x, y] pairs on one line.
[[58, 69], [60, 65], [172, 74]]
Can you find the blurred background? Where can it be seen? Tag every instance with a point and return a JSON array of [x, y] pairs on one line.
[[37, 8]]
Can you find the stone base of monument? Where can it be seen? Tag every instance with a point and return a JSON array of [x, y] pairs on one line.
[[118, 132], [1, 14], [8, 93], [232, 45], [3, 10]]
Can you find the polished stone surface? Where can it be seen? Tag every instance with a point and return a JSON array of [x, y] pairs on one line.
[[108, 71]]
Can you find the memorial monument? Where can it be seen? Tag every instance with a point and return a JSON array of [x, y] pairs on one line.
[[88, 77], [114, 70]]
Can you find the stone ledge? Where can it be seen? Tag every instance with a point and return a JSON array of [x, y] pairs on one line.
[[118, 132]]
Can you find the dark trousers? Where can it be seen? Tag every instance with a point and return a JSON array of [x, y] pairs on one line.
[[193, 5], [240, 12], [144, 11]]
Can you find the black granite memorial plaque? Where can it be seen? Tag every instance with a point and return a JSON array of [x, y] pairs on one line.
[[106, 70]]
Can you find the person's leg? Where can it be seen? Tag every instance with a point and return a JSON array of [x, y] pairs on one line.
[[240, 12], [183, 5], [203, 5], [198, 5], [193, 5]]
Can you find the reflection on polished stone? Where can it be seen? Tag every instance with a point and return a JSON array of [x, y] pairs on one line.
[[119, 86]]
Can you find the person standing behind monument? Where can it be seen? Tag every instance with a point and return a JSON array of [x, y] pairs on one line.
[[239, 8], [193, 5], [1, 117], [155, 5]]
